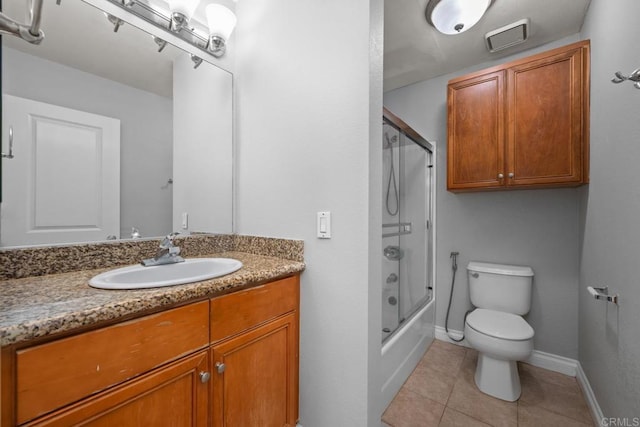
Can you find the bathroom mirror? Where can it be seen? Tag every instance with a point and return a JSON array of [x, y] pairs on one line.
[[167, 126]]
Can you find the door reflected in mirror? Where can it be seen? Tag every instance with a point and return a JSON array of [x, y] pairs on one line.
[[110, 135]]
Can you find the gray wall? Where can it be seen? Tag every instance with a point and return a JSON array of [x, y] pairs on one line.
[[145, 123], [309, 99], [609, 336], [538, 228]]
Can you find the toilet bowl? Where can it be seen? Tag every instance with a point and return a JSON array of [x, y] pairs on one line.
[[501, 340], [501, 294]]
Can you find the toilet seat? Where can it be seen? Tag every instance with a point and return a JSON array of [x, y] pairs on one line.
[[499, 325]]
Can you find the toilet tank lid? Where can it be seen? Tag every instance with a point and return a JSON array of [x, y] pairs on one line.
[[509, 270]]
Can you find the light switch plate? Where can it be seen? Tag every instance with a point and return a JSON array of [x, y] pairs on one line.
[[324, 225], [185, 220]]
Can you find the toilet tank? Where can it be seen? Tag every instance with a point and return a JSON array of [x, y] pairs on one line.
[[500, 287]]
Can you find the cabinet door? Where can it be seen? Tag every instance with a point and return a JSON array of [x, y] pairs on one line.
[[545, 120], [174, 395], [255, 376], [475, 140]]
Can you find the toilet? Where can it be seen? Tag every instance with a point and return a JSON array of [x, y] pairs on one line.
[[502, 295]]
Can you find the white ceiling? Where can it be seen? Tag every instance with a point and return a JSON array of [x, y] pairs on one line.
[[415, 51], [80, 36]]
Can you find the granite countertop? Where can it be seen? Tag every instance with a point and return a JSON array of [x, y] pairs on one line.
[[34, 307]]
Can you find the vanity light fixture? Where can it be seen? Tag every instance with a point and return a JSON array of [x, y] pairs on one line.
[[160, 42], [455, 16], [29, 32], [117, 22], [181, 13], [211, 37], [196, 60], [221, 22]]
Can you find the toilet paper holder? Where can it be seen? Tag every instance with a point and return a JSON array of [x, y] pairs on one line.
[[603, 294]]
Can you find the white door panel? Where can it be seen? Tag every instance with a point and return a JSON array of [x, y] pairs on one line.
[[63, 183]]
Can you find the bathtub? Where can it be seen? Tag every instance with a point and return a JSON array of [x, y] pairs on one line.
[[402, 351]]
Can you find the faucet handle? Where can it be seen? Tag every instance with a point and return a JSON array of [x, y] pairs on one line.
[[167, 242]]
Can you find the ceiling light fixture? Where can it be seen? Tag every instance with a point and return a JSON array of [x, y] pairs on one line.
[[455, 16]]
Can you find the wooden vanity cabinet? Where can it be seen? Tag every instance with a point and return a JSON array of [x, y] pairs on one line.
[[228, 361], [524, 124]]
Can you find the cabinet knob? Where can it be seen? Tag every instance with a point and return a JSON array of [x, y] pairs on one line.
[[500, 176], [511, 175], [220, 367], [204, 377]]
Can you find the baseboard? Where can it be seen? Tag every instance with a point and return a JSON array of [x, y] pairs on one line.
[[441, 334], [589, 395], [551, 362]]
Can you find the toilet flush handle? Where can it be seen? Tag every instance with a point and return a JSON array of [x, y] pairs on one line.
[[475, 275]]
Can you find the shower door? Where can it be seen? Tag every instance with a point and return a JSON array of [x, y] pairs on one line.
[[406, 227]]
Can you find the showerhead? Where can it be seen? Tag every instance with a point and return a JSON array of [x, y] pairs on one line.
[[389, 141]]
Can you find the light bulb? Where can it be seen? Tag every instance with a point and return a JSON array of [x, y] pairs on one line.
[[183, 7], [221, 21]]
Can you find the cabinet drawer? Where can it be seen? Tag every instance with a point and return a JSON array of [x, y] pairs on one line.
[[173, 395], [55, 374], [236, 312]]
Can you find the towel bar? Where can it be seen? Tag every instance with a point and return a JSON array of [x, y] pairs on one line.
[[603, 294]]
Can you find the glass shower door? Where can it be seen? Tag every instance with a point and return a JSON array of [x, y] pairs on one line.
[[406, 229]]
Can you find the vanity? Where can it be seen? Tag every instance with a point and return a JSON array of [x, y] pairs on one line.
[[217, 352]]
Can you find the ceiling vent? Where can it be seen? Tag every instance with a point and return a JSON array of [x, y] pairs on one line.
[[507, 36]]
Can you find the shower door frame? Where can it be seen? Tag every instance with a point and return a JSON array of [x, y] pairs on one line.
[[430, 183]]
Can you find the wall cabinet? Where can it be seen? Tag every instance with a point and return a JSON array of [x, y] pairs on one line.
[[524, 124], [228, 361]]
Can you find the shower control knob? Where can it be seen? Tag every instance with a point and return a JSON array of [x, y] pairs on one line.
[[500, 176]]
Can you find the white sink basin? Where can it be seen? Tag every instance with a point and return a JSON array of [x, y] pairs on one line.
[[140, 277]]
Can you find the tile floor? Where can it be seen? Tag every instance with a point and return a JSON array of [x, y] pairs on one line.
[[441, 391]]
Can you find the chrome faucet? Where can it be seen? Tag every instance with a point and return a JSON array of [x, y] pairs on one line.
[[167, 253]]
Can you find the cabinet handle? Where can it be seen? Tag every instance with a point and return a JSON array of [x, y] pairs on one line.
[[220, 367], [500, 176], [204, 377], [511, 175]]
